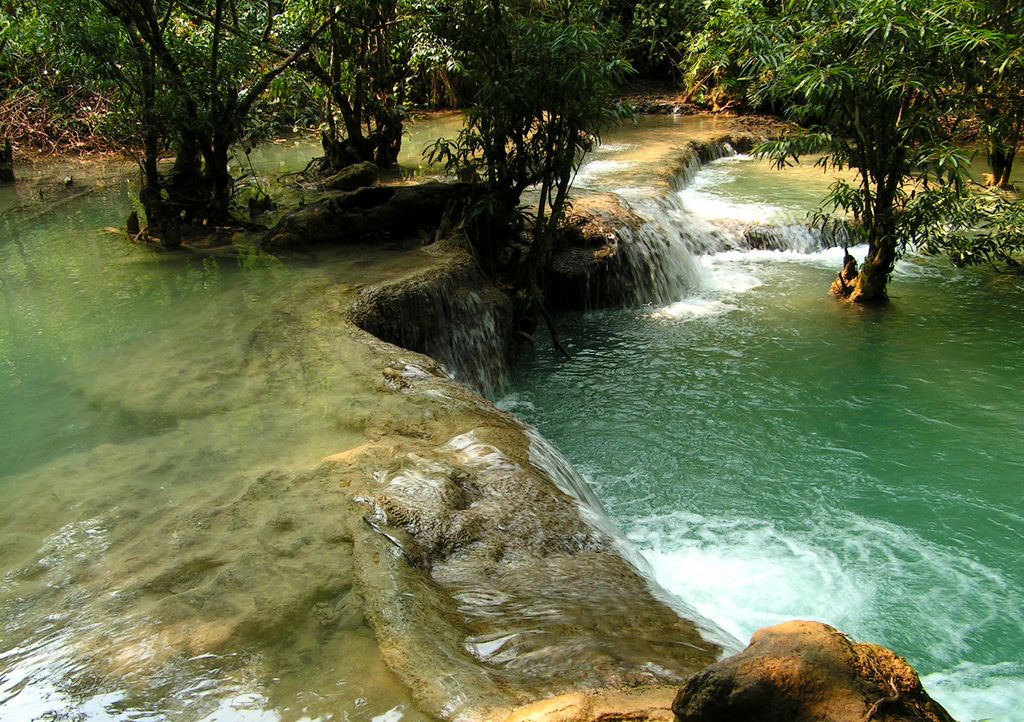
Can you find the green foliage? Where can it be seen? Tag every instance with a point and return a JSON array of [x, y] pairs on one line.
[[542, 87], [985, 226], [656, 34], [988, 37], [876, 86], [183, 76], [50, 96], [364, 69], [736, 45], [869, 80]]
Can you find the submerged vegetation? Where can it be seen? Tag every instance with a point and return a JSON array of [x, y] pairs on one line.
[[898, 91]]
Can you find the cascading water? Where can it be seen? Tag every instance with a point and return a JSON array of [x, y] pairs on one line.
[[778, 455], [662, 257], [547, 458]]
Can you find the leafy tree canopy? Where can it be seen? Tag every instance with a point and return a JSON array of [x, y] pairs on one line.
[[876, 87]]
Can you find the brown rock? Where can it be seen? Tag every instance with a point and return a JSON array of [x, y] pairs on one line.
[[357, 175], [807, 672], [364, 215], [589, 269]]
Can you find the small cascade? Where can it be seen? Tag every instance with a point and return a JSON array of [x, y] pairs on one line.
[[698, 155], [450, 314], [660, 257], [793, 237], [471, 335]]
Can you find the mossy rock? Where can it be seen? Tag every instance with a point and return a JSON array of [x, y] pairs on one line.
[[357, 175]]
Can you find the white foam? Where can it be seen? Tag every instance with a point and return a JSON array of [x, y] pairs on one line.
[[392, 715], [599, 168], [720, 284], [745, 574], [694, 307], [613, 148], [976, 692], [831, 258], [916, 266], [727, 279], [872, 579], [707, 197], [712, 207], [515, 403]]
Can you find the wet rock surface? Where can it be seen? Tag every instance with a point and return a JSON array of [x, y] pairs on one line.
[[350, 178], [652, 704], [490, 587], [370, 213], [589, 269], [448, 311], [807, 672]]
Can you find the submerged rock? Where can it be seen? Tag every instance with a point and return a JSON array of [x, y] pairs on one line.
[[350, 178], [647, 704], [807, 672]]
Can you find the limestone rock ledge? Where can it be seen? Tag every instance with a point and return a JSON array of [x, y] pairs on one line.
[[366, 214], [448, 311], [486, 585]]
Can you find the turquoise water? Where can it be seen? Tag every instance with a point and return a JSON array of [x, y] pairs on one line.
[[766, 464], [776, 454], [146, 399]]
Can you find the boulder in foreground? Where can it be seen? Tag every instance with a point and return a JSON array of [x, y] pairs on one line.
[[807, 672]]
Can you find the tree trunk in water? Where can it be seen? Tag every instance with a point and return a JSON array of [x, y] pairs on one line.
[[220, 181], [161, 220], [184, 188], [389, 143], [1000, 160], [6, 163], [867, 286]]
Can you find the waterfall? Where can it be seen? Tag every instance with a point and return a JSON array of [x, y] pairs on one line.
[[660, 257], [451, 313]]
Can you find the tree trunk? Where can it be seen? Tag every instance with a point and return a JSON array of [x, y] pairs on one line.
[[220, 181], [7, 163], [389, 140], [868, 285], [161, 221], [1000, 159]]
